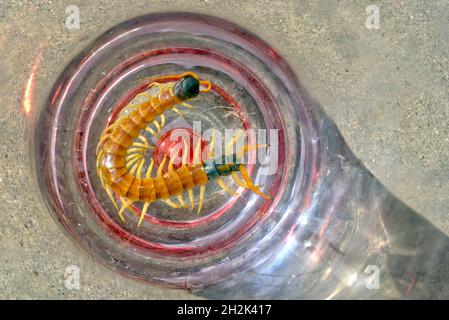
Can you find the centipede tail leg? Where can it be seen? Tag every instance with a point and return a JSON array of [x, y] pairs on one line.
[[212, 145], [135, 169], [187, 105], [250, 184], [102, 180], [162, 116]]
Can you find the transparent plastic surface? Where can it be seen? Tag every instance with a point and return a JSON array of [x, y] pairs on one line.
[[329, 219]]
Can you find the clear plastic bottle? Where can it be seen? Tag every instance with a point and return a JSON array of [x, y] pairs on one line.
[[330, 231]]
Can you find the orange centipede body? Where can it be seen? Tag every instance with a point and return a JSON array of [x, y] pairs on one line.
[[121, 152]]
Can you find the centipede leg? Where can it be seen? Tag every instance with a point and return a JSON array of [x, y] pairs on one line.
[[200, 203], [111, 196], [126, 204], [146, 205], [153, 133], [172, 204], [250, 184], [191, 198], [177, 111], [231, 143], [187, 105], [185, 154], [225, 187], [212, 144]]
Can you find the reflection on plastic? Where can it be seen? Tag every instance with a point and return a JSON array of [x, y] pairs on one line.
[[356, 241]]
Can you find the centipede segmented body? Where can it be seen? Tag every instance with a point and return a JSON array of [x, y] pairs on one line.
[[121, 153]]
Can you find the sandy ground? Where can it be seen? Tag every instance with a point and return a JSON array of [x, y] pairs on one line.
[[386, 89]]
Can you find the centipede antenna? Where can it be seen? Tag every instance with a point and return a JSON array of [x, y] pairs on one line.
[[250, 184], [145, 94], [231, 143], [132, 156], [112, 126], [154, 84], [132, 162], [139, 170], [128, 107], [136, 166], [126, 204], [207, 84], [200, 203], [99, 157], [171, 168], [185, 74], [225, 187], [138, 144]]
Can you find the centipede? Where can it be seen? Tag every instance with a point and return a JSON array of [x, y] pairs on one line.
[[122, 148]]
